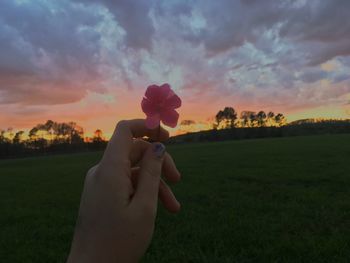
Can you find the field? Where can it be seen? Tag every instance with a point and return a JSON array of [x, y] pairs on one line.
[[266, 200]]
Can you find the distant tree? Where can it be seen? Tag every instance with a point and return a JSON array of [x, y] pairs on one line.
[[10, 133], [32, 133], [244, 118], [98, 141], [230, 116], [270, 120], [261, 118], [270, 114], [38, 132], [218, 119], [50, 125], [253, 120], [3, 139], [280, 120], [76, 133], [98, 136], [248, 119], [226, 118], [55, 133], [18, 137]]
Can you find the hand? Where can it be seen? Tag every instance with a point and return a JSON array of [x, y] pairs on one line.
[[119, 201]]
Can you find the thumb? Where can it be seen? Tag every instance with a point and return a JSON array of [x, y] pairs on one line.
[[146, 193]]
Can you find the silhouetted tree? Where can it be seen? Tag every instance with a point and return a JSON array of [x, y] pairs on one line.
[[280, 119], [230, 116], [32, 133], [98, 136], [226, 117], [248, 119], [261, 118], [270, 115], [253, 120], [2, 136], [18, 137], [10, 133], [218, 118], [270, 119], [244, 118]]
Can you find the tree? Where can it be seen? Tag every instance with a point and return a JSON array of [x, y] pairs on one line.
[[248, 118], [3, 138], [32, 133], [18, 137], [270, 119], [270, 115], [218, 118], [56, 133], [253, 120], [261, 118], [98, 136], [230, 116], [76, 133], [98, 140], [280, 119], [226, 117], [10, 133]]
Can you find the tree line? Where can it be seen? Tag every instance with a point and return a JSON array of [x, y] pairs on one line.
[[228, 118], [49, 137], [55, 137]]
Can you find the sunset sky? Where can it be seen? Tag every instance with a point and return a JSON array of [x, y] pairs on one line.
[[90, 61]]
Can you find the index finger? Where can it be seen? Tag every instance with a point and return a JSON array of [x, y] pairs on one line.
[[120, 144]]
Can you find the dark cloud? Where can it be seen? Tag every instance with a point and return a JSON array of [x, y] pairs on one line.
[[341, 77], [324, 28], [133, 16], [323, 21], [231, 24], [49, 53], [311, 76]]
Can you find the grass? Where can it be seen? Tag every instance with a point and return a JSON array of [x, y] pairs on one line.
[[267, 200]]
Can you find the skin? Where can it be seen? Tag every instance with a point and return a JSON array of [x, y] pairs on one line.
[[119, 201]]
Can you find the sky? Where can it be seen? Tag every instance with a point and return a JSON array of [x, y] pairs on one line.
[[90, 61]]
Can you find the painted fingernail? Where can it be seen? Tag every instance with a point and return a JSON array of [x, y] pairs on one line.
[[158, 149]]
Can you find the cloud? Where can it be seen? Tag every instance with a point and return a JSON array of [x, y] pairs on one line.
[[306, 24], [311, 76], [233, 23], [49, 52], [134, 17]]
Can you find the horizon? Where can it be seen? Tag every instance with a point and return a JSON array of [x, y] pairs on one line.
[[89, 62]]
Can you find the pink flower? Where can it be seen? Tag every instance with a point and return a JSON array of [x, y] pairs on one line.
[[159, 104]]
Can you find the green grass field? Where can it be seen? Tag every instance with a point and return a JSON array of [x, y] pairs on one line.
[[267, 200]]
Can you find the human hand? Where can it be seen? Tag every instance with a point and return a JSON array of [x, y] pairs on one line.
[[119, 201]]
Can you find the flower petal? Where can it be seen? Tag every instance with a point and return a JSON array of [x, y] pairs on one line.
[[152, 121], [158, 93], [148, 107], [165, 92], [173, 102], [169, 117], [152, 92]]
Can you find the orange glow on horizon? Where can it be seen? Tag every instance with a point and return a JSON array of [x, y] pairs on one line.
[[96, 111]]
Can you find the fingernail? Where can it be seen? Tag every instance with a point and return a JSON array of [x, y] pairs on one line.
[[158, 149]]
